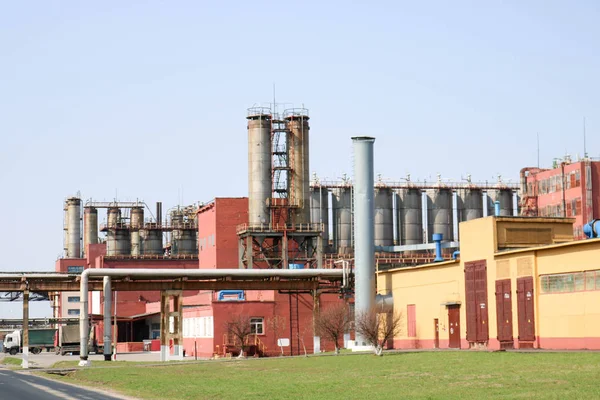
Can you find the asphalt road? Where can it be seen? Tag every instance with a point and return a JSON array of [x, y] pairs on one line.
[[24, 386]]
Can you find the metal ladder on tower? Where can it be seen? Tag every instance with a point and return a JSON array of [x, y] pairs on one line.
[[294, 327]]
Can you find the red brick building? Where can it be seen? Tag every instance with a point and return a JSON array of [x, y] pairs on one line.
[[206, 313], [570, 189]]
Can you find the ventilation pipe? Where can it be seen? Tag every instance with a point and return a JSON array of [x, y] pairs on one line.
[[497, 208], [592, 229], [364, 231], [207, 274], [437, 238]]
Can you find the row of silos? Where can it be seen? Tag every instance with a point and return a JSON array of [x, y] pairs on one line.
[[408, 209], [133, 236]]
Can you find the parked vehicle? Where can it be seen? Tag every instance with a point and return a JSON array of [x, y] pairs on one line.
[[71, 343], [39, 339]]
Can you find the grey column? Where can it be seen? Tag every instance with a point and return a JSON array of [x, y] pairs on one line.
[[107, 319], [364, 228]]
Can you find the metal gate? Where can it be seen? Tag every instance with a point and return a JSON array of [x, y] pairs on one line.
[[476, 299], [504, 313], [526, 313]]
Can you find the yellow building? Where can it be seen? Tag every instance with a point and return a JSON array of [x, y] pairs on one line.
[[518, 283]]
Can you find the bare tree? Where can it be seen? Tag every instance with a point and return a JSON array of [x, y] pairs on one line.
[[332, 322], [238, 326], [277, 325], [378, 328], [303, 332]]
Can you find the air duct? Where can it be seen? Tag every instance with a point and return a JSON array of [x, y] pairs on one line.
[[592, 229], [364, 230]]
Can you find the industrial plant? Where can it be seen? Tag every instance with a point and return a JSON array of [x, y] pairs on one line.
[[409, 244]]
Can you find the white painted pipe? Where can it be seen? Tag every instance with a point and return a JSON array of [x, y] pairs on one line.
[[179, 273]]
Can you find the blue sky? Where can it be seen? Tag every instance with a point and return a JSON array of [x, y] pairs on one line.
[[147, 99]]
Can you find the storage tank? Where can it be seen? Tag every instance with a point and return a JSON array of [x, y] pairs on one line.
[[342, 219], [439, 213], [152, 240], [319, 210], [118, 242], [410, 216], [297, 125], [73, 227], [384, 216], [90, 227], [505, 197], [470, 204], [183, 236], [136, 222], [259, 166]]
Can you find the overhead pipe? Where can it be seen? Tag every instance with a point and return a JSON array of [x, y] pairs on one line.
[[364, 230], [187, 273], [437, 238]]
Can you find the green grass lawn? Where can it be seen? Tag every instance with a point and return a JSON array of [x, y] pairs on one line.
[[428, 375], [12, 361]]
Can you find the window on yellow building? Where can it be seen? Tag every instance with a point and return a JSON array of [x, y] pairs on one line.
[[571, 282]]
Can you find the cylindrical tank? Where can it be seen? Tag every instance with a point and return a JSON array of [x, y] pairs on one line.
[[90, 227], [152, 243], [439, 213], [118, 242], [136, 222], [505, 197], [342, 219], [384, 216], [184, 241], [410, 213], [113, 217], [319, 209], [470, 204], [299, 179], [259, 168], [74, 227]]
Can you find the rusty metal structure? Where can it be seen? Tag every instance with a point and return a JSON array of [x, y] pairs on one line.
[[280, 232]]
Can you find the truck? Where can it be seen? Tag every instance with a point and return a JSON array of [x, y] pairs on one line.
[[39, 340], [70, 341]]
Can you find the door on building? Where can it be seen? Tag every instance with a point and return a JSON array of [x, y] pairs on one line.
[[526, 312], [504, 314], [476, 299], [454, 326]]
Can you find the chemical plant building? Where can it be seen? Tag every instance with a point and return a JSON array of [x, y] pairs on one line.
[[569, 189], [519, 283], [290, 222]]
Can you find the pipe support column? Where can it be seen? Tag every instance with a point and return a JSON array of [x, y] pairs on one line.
[[107, 319]]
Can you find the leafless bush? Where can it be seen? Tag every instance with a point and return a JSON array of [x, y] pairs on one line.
[[378, 328], [332, 322], [238, 326], [277, 326]]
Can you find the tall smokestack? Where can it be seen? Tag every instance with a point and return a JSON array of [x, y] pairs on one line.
[[364, 229]]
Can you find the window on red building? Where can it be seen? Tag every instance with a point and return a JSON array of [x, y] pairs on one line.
[[257, 326]]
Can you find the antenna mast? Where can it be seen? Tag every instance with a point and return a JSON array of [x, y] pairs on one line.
[[584, 144], [538, 149]]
